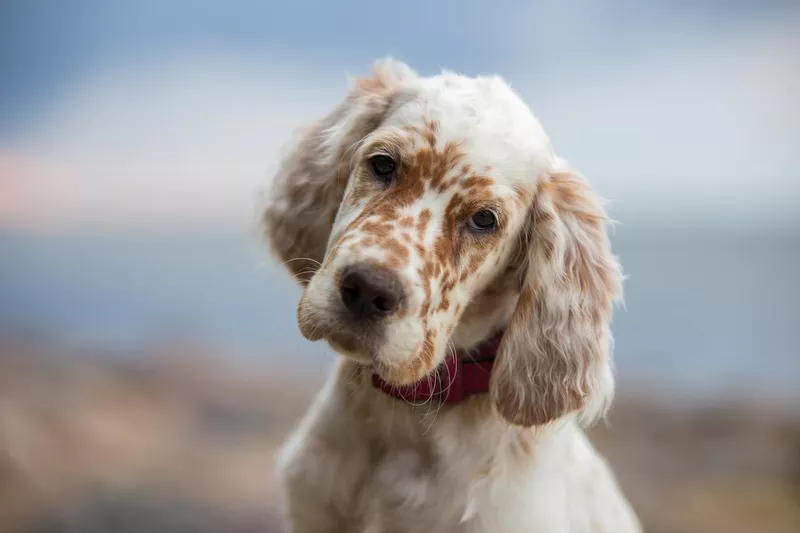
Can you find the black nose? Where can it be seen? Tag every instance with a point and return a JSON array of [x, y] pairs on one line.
[[369, 291]]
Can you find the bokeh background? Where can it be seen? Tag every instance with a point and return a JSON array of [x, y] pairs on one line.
[[149, 360]]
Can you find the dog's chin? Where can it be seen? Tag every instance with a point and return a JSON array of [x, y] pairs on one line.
[[411, 368], [349, 347], [405, 374]]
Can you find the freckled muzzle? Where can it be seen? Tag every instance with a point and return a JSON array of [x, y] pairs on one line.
[[370, 291]]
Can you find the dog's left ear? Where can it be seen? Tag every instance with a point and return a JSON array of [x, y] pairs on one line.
[[555, 356]]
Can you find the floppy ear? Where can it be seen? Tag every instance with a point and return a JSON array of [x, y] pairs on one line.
[[555, 356], [307, 190]]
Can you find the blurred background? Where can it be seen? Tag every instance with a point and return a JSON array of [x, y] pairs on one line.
[[150, 362]]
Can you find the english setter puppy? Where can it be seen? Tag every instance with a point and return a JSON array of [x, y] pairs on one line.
[[464, 273]]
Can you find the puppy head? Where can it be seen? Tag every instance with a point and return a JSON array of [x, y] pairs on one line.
[[416, 201]]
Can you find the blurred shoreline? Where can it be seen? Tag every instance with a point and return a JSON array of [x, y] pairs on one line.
[[177, 439]]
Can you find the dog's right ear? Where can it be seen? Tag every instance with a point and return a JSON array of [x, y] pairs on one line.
[[555, 357], [308, 187]]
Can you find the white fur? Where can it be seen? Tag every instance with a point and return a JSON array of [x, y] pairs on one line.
[[357, 462], [515, 460]]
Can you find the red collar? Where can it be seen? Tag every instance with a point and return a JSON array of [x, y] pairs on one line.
[[462, 374]]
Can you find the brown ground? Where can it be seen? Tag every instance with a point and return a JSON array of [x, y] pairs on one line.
[[171, 444]]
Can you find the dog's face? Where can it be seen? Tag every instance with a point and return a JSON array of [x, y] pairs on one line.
[[417, 198], [430, 216]]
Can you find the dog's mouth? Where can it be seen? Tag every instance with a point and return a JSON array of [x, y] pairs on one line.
[[361, 346], [396, 368]]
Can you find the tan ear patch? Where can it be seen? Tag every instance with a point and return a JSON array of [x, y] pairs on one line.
[[554, 358], [570, 197]]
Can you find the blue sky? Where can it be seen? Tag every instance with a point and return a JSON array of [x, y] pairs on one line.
[[46, 45], [658, 101]]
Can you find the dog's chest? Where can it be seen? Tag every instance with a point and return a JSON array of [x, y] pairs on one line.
[[407, 491], [464, 472]]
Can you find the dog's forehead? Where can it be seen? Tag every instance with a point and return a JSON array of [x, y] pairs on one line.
[[487, 120]]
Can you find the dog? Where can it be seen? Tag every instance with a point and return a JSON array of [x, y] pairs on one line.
[[464, 274]]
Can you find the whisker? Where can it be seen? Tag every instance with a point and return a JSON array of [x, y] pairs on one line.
[[357, 382], [451, 345], [428, 347], [302, 259]]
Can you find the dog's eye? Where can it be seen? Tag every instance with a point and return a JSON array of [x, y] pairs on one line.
[[483, 220], [383, 167]]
